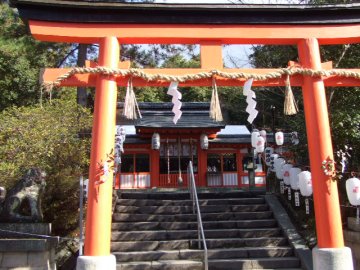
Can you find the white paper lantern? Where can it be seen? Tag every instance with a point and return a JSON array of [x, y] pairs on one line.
[[155, 141], [254, 136], [305, 183], [286, 173], [353, 190], [263, 134], [204, 141], [260, 144], [294, 178], [2, 194], [279, 163], [279, 138], [268, 152]]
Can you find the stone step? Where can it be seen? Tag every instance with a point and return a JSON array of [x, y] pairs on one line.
[[229, 201], [246, 214], [258, 263], [189, 209], [232, 264], [161, 265], [242, 242], [227, 224], [192, 234], [191, 254], [121, 246]]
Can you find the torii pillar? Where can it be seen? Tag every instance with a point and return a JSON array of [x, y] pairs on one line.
[[330, 252], [98, 217]]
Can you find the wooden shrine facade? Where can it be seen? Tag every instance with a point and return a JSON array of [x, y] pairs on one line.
[[110, 23], [221, 164]]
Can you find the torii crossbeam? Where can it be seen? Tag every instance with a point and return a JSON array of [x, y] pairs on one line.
[[112, 24]]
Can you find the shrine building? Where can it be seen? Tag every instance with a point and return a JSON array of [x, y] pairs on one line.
[[219, 152]]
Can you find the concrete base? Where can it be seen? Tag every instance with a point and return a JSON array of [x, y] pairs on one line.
[[96, 263], [332, 258]]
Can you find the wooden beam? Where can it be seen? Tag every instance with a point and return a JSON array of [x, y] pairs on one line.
[[51, 74], [194, 34], [211, 55]]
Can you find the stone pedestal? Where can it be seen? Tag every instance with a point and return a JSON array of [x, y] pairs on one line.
[[332, 258], [96, 262], [25, 252], [352, 240]]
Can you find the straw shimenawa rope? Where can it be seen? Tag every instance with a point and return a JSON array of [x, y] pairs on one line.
[[202, 75], [290, 106]]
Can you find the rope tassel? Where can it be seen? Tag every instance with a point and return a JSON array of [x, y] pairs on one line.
[[131, 107], [215, 109], [290, 106]]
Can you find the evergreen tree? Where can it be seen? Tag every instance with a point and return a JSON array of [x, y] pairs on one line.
[[21, 60]]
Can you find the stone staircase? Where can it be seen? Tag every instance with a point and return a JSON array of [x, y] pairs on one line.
[[157, 230]]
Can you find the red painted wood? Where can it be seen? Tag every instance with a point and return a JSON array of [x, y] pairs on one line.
[[326, 198]]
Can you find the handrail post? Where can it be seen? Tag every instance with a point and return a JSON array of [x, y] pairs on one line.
[[195, 201]]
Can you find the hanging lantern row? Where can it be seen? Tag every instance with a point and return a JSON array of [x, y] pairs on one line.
[[256, 135], [291, 177], [155, 141]]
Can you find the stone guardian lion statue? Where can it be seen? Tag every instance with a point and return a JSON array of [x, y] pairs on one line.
[[27, 194]]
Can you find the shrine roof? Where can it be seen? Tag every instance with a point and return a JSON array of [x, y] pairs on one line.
[[159, 115], [96, 11]]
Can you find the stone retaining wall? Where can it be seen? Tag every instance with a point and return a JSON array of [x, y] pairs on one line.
[[352, 240], [19, 253], [27, 254]]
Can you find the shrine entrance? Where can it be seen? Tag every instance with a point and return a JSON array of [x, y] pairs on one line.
[[210, 26]]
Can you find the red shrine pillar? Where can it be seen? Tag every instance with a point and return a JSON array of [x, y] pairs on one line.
[[98, 218], [330, 253]]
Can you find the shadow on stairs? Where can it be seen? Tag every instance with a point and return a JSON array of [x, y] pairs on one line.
[[158, 230]]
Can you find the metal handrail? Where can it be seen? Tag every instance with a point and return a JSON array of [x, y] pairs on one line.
[[196, 208]]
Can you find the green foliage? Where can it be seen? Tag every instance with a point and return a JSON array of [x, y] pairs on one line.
[[344, 111], [345, 123], [21, 59], [48, 137], [164, 56], [342, 102]]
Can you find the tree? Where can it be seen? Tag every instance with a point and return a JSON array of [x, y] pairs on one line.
[[51, 138], [21, 59]]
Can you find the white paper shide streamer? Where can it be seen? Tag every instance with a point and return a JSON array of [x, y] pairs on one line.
[[250, 100], [176, 97]]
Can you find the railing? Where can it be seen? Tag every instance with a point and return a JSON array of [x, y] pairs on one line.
[[196, 208]]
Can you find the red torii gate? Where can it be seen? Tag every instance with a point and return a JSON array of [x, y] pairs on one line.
[[210, 37]]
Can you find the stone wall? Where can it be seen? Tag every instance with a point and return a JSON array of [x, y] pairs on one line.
[[352, 240], [18, 253], [27, 254]]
